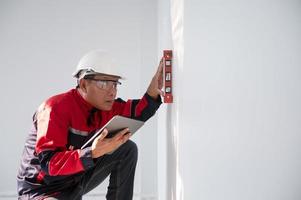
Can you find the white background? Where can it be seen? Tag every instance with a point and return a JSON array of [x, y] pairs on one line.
[[233, 131], [41, 43]]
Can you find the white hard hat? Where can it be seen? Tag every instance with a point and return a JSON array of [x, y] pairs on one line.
[[97, 62]]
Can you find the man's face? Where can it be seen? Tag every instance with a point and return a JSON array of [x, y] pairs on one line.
[[101, 90]]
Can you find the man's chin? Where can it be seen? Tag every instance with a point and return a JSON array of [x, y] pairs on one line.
[[106, 107]]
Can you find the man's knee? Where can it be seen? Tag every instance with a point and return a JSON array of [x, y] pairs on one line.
[[131, 149]]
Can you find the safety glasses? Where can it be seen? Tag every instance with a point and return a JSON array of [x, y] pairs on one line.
[[105, 84]]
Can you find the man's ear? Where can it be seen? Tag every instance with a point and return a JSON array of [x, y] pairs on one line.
[[82, 83]]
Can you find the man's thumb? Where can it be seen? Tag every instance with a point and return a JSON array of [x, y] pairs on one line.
[[103, 134]]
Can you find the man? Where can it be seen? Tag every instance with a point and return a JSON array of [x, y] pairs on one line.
[[54, 167]]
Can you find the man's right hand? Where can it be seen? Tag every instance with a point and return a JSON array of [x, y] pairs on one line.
[[102, 145]]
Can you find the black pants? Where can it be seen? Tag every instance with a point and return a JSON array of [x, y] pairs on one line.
[[120, 165]]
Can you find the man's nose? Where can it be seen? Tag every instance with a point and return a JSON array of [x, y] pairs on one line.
[[112, 92]]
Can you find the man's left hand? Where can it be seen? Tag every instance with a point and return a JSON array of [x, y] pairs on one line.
[[155, 87]]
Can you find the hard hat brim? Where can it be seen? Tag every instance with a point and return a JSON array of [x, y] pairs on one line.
[[76, 75]]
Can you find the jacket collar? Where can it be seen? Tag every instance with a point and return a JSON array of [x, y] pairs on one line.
[[86, 105]]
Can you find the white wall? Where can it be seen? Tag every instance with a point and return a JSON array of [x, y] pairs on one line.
[[41, 43], [234, 128], [164, 43]]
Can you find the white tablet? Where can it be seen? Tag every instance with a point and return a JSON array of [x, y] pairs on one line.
[[116, 124]]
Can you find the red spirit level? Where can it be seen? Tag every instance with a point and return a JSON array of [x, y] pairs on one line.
[[167, 75]]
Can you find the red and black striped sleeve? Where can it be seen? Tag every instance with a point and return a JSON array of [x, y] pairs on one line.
[[140, 109], [52, 134]]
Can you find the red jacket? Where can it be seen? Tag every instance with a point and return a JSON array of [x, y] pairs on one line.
[[62, 124]]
